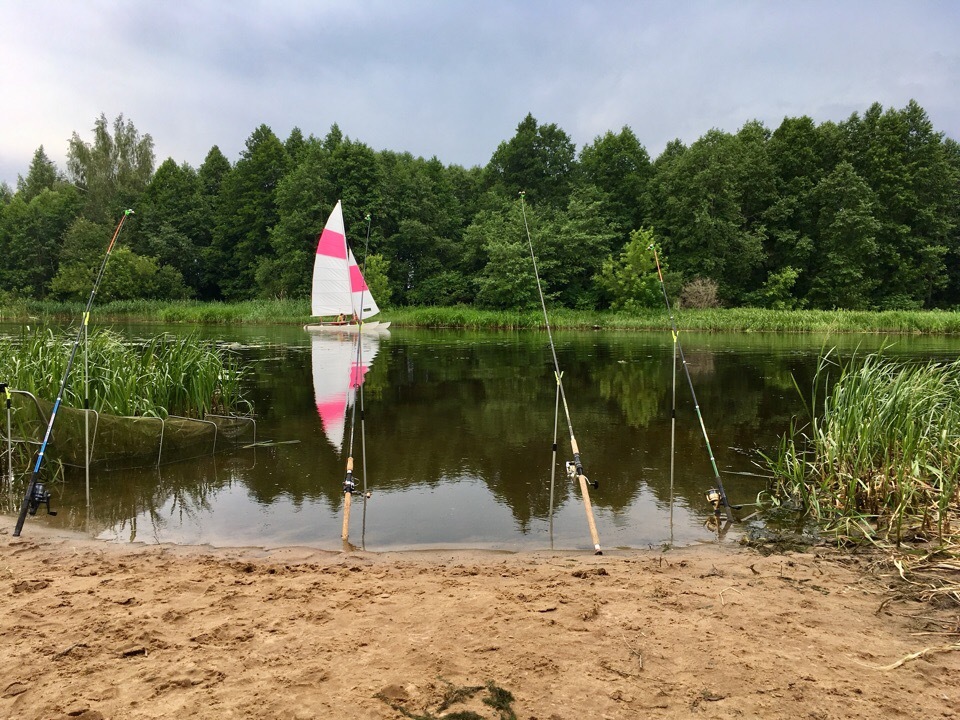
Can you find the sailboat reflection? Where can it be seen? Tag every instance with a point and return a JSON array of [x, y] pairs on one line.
[[340, 365], [337, 375]]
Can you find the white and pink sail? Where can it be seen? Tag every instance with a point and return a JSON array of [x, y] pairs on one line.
[[338, 284]]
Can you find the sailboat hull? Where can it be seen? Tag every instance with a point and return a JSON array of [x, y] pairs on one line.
[[374, 326]]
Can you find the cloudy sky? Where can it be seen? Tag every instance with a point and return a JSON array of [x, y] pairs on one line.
[[453, 78]]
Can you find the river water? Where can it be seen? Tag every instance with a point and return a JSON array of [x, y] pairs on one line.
[[457, 430]]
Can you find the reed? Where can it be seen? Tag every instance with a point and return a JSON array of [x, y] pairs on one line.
[[297, 312], [165, 375], [880, 453]]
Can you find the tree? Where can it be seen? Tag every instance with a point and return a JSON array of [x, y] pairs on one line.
[[246, 212], [846, 271], [630, 281], [421, 221], [169, 218], [507, 281], [904, 162], [128, 276], [113, 170], [43, 175], [698, 199], [539, 160], [210, 175], [31, 236], [619, 166], [571, 247]]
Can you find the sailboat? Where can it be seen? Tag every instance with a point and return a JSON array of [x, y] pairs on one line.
[[339, 290], [337, 376]]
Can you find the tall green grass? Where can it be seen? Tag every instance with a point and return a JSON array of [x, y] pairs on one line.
[[880, 452], [297, 312], [165, 375]]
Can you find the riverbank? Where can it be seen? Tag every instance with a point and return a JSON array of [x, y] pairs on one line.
[[289, 312], [96, 630]]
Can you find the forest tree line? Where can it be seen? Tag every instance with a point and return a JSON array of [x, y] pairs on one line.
[[860, 214]]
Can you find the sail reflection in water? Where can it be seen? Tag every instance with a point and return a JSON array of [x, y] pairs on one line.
[[337, 375]]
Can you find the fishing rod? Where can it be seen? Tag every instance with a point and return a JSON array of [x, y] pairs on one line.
[[5, 391], [349, 484], [716, 496], [36, 494], [574, 468]]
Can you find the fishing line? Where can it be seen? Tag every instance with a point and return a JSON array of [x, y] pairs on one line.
[[673, 433], [577, 464], [36, 494], [717, 496], [349, 484], [553, 461]]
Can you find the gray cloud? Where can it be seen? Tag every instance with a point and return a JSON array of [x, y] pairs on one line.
[[453, 79]]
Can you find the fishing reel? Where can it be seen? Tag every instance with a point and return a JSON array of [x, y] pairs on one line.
[[573, 474], [350, 486], [715, 499], [719, 501], [40, 496]]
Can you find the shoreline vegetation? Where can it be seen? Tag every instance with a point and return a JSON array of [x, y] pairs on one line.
[[296, 312], [163, 375]]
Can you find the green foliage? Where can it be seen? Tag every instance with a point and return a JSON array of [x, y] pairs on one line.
[[630, 281], [496, 697], [777, 292], [539, 160], [246, 210], [328, 171], [507, 280], [127, 276], [111, 171], [860, 214], [619, 167], [31, 234], [43, 175], [376, 269], [846, 270], [571, 247]]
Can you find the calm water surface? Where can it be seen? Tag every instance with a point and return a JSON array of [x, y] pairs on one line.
[[458, 430]]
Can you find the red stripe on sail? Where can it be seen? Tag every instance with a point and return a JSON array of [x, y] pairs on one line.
[[357, 374], [331, 411], [357, 283], [332, 245]]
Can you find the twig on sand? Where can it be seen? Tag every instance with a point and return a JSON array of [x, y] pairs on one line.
[[724, 590], [914, 656]]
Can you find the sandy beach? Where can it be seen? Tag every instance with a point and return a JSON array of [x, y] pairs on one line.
[[102, 630]]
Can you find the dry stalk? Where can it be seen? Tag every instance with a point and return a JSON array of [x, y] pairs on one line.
[[913, 656]]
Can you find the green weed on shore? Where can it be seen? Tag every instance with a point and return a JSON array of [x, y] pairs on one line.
[[162, 376], [297, 312], [879, 455]]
